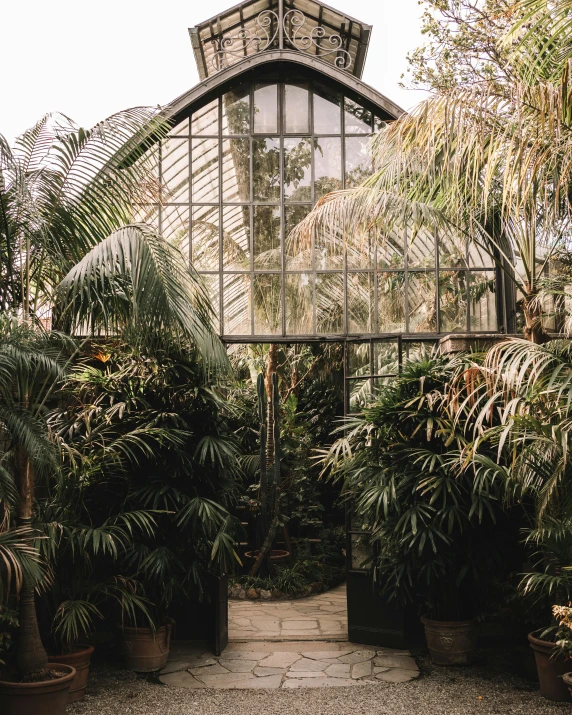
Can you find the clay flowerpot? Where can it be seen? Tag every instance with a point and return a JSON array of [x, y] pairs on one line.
[[49, 697], [450, 642], [144, 650], [80, 659], [550, 669]]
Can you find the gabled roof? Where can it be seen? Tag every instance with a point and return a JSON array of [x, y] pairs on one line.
[[306, 26]]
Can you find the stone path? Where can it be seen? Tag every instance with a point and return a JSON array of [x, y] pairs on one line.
[[311, 664], [320, 617]]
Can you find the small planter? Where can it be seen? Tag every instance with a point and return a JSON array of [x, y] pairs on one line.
[[49, 697], [80, 659], [550, 670], [450, 642], [144, 650]]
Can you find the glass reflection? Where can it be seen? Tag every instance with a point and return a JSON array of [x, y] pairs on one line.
[[175, 226], [205, 120], [420, 248], [357, 118], [391, 302], [422, 302], [266, 169], [360, 302], [298, 169], [236, 170], [266, 108], [386, 357], [329, 303], [482, 308], [267, 253], [296, 109], [358, 161], [236, 111], [236, 238], [298, 252], [359, 359], [205, 181], [453, 301], [182, 128], [212, 283], [452, 251], [267, 291], [175, 170], [390, 253], [299, 304], [327, 166], [329, 247], [205, 239], [327, 111], [360, 249], [236, 304]]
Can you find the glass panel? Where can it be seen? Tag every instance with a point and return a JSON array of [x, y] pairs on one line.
[[299, 252], [361, 552], [180, 129], [236, 111], [360, 393], [359, 359], [453, 301], [452, 251], [357, 118], [146, 213], [175, 170], [390, 251], [328, 166], [266, 108], [267, 304], [175, 227], [329, 303], [358, 161], [299, 304], [236, 238], [329, 242], [420, 248], [205, 253], [205, 120], [391, 302], [236, 170], [422, 306], [266, 168], [205, 170], [478, 257], [327, 114], [236, 296], [378, 385], [378, 124], [296, 109], [267, 237], [483, 309], [298, 169], [360, 302], [386, 357], [213, 288], [417, 351], [360, 246]]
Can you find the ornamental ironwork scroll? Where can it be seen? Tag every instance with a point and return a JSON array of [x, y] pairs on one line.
[[314, 40], [245, 42], [297, 32]]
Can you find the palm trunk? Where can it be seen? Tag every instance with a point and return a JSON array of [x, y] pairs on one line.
[[271, 366], [533, 328], [31, 656]]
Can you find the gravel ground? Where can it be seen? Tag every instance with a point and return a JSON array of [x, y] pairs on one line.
[[491, 686]]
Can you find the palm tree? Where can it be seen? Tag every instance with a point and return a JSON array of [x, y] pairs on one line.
[[70, 251], [487, 163]]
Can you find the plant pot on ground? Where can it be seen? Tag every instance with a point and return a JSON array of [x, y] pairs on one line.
[[146, 650], [450, 642], [80, 659], [46, 697], [551, 666]]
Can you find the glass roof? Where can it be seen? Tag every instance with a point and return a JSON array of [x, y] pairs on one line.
[[306, 26]]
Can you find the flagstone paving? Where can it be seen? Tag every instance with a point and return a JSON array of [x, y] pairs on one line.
[[323, 616], [286, 665]]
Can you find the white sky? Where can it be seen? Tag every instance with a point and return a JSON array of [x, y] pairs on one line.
[[89, 60]]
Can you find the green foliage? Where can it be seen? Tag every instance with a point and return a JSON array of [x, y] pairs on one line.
[[8, 625]]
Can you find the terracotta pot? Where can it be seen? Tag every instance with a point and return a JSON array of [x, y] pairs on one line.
[[277, 556], [550, 670], [49, 697], [144, 650], [450, 642], [80, 660]]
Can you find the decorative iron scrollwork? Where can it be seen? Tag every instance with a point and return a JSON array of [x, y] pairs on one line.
[[315, 37], [313, 41], [260, 39]]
